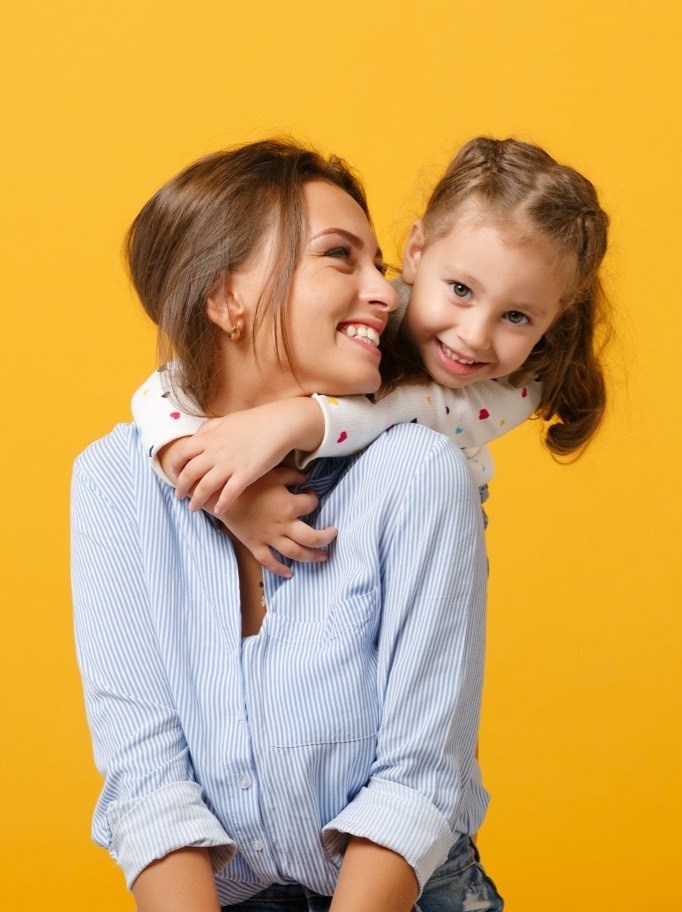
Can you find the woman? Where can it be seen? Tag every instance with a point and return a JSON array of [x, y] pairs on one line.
[[315, 733]]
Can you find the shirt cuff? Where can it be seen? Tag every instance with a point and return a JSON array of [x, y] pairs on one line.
[[398, 818], [185, 426], [172, 817]]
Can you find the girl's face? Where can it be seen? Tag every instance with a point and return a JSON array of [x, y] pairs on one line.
[[482, 296], [338, 305]]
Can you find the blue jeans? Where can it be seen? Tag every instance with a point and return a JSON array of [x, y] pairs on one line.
[[459, 885]]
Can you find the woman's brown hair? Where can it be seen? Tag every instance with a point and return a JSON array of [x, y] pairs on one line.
[[210, 219], [519, 182]]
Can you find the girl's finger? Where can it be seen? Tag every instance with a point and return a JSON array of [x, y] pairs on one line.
[[305, 535], [291, 549], [304, 503], [205, 489], [265, 556], [190, 476]]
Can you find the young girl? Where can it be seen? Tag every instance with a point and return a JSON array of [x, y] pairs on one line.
[[501, 302]]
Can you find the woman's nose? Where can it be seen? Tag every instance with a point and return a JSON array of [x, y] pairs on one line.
[[378, 290]]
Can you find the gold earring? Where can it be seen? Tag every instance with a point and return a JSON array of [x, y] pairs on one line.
[[235, 333]]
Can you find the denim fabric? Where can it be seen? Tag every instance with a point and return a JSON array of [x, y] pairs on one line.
[[283, 898], [484, 495], [459, 885]]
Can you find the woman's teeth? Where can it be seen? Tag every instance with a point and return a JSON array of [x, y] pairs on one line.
[[453, 357], [366, 333]]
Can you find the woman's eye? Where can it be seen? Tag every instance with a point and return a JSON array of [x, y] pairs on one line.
[[383, 268], [340, 253], [516, 317], [460, 289]]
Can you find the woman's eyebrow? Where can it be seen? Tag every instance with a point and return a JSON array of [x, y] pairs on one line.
[[349, 236]]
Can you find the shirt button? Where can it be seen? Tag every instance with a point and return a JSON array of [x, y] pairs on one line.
[[258, 845], [244, 781], [240, 715]]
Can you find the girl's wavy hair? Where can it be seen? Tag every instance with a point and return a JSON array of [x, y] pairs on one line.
[[517, 181], [210, 219]]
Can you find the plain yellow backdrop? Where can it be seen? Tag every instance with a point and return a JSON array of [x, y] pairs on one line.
[[105, 100]]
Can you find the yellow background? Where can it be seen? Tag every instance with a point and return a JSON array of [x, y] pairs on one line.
[[105, 100]]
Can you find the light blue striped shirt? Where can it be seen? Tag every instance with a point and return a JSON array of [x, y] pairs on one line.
[[353, 711]]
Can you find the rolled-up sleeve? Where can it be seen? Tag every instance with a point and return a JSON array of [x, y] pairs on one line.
[[151, 803], [430, 665]]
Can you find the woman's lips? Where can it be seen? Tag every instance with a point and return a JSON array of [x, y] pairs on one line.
[[362, 334]]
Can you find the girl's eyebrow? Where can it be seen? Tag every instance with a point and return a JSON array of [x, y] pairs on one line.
[[349, 236]]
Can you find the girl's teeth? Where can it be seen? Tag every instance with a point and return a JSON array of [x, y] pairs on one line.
[[366, 333], [449, 352]]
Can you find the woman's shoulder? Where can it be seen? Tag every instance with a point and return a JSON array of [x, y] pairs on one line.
[[408, 452], [112, 461]]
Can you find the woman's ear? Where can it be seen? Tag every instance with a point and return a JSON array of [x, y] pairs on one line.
[[224, 306], [413, 252]]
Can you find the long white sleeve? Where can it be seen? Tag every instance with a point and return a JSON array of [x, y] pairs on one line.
[[471, 417], [159, 418]]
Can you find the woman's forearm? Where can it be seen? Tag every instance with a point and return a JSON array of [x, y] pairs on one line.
[[373, 877], [181, 881]]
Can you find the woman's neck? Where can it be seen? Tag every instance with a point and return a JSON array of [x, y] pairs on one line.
[[240, 384]]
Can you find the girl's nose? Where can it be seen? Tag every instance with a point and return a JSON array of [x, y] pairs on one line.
[[475, 332]]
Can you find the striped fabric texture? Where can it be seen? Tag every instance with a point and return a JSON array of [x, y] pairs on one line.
[[353, 711]]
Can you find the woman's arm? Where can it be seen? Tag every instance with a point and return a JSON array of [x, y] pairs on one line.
[[180, 882], [430, 654], [151, 803], [373, 877]]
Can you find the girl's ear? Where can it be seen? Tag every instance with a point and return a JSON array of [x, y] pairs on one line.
[[413, 252], [224, 306]]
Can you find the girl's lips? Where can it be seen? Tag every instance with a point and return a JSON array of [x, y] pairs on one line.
[[456, 367]]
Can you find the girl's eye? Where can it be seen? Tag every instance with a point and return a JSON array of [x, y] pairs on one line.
[[516, 317], [383, 268], [460, 289], [340, 253]]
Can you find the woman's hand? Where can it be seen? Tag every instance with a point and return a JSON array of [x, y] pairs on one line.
[[228, 454], [266, 515]]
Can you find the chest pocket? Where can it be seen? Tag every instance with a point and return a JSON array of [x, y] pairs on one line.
[[321, 679]]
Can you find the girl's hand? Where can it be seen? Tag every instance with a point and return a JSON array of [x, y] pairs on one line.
[[266, 515], [231, 453]]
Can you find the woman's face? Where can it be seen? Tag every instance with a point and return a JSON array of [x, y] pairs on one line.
[[338, 305]]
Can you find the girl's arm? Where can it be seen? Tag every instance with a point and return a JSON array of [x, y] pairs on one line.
[[203, 456], [159, 419], [471, 416], [230, 453], [235, 453]]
